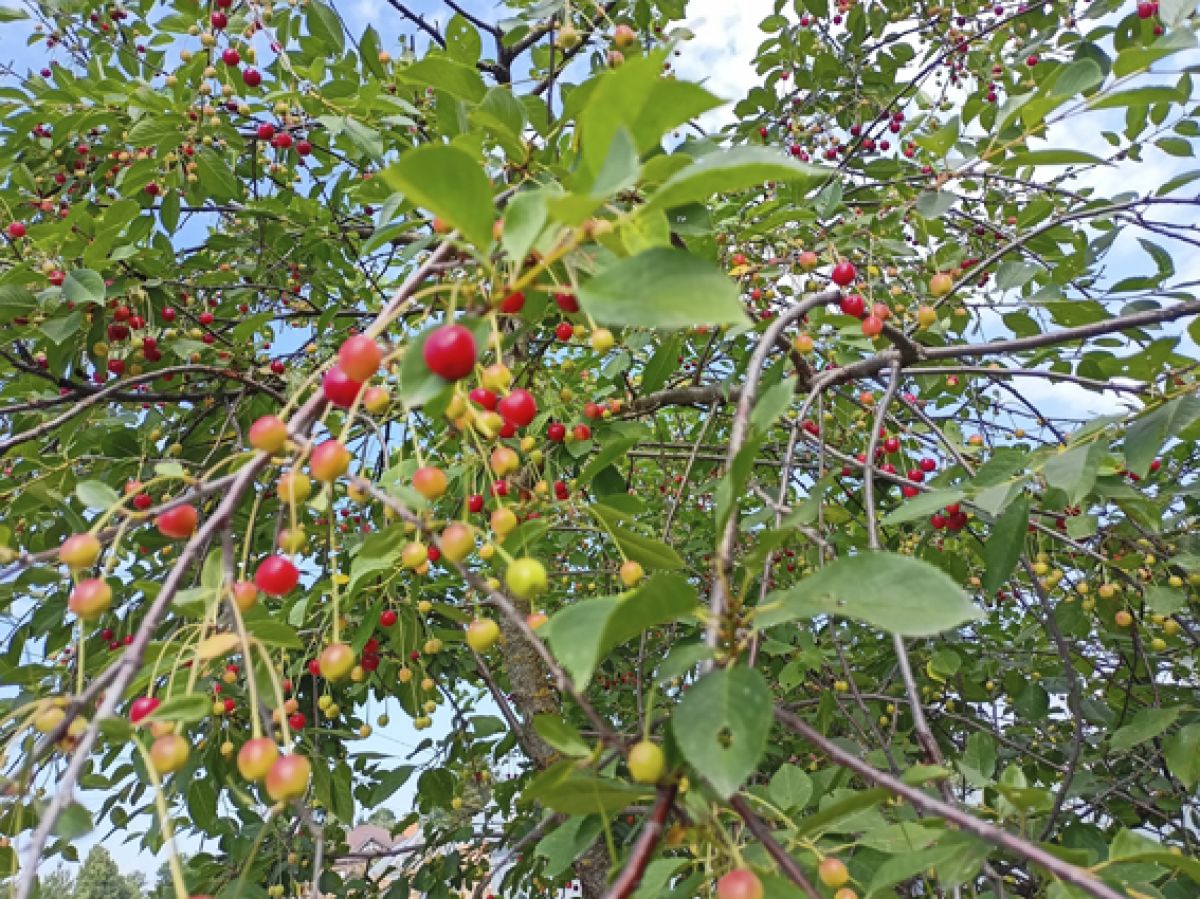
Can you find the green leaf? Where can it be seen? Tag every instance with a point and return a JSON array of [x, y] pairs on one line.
[[187, 707], [652, 553], [936, 203], [581, 635], [325, 26], [202, 802], [463, 42], [566, 789], [16, 300], [273, 633], [1074, 470], [1004, 545], [8, 14], [61, 329], [74, 822], [922, 506], [895, 593], [451, 184], [84, 286], [445, 74], [721, 726], [567, 842], [1050, 157], [662, 288], [1165, 600], [771, 404], [561, 735], [96, 495], [1182, 752], [1145, 725], [217, 179], [1081, 75], [790, 787], [1146, 436], [729, 171], [524, 218]]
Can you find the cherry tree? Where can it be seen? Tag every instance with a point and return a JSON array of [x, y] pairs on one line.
[[788, 494]]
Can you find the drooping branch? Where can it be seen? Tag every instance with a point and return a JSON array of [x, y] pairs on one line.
[[639, 856], [963, 820]]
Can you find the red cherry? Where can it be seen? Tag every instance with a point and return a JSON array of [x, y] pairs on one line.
[[168, 314], [281, 141], [339, 388], [581, 432], [178, 523], [928, 464], [276, 576], [591, 410], [304, 148], [205, 318], [844, 274], [219, 20], [566, 302], [142, 707], [252, 77], [891, 445], [564, 331], [359, 357], [265, 131], [741, 883], [513, 303], [872, 326], [231, 57], [450, 352], [314, 668], [556, 432], [853, 305], [484, 398], [475, 503], [143, 501], [387, 618], [16, 230], [296, 721], [519, 407]]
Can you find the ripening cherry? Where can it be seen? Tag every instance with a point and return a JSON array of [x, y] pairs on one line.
[[844, 274], [519, 407], [329, 461], [169, 753], [456, 541], [592, 410], [178, 523], [504, 461], [740, 883], [581, 432], [376, 399], [90, 598], [360, 357], [336, 661], [288, 778], [142, 707], [646, 762], [450, 352], [941, 284], [926, 316], [79, 551], [526, 578], [833, 872], [245, 595], [430, 482], [268, 434], [339, 388], [482, 634], [293, 487], [631, 573], [256, 758], [276, 576], [872, 326]]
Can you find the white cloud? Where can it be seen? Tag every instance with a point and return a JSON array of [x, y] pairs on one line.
[[721, 55]]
